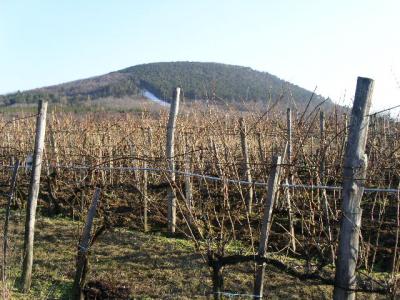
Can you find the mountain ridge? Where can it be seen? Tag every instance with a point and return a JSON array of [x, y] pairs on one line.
[[198, 80]]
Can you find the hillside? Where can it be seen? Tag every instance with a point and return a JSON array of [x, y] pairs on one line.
[[200, 81]]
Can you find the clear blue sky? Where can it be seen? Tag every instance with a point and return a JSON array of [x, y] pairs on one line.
[[310, 43]]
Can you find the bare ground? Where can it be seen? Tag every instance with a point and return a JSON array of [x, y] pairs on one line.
[[150, 266]]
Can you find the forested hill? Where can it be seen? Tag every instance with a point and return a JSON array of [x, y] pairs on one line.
[[200, 81]]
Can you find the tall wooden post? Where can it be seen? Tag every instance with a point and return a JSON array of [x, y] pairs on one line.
[[150, 148], [322, 167], [355, 167], [289, 138], [144, 196], [54, 147], [273, 186], [133, 154], [322, 146], [246, 163], [26, 277], [188, 183], [147, 157], [173, 114], [290, 178]]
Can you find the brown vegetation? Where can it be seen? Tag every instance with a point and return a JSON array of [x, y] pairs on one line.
[[103, 150]]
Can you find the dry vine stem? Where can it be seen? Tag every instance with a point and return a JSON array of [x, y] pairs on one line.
[[11, 195]]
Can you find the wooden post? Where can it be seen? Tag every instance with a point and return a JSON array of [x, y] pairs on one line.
[[150, 148], [83, 248], [322, 146], [110, 157], [322, 167], [7, 217], [273, 186], [54, 147], [246, 164], [26, 277], [188, 183], [289, 137], [173, 114], [132, 147], [290, 178], [355, 167], [144, 196]]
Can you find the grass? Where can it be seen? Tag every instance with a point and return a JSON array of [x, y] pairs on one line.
[[152, 265]]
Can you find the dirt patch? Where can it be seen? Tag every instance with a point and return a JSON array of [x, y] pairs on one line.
[[99, 290]]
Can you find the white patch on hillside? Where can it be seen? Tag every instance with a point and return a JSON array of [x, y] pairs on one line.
[[154, 98]]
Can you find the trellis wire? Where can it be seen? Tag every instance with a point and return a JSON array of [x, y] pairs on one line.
[[233, 294], [213, 178]]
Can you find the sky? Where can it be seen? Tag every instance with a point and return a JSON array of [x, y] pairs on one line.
[[311, 43]]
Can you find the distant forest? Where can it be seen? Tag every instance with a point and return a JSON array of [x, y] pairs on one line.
[[199, 81]]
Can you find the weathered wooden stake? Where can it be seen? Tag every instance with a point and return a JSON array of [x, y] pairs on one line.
[[290, 178], [273, 186], [144, 196], [322, 168], [246, 163], [7, 217], [26, 277], [289, 135], [150, 148], [188, 183], [355, 167], [111, 157], [173, 114], [53, 143], [83, 248], [322, 146], [133, 149]]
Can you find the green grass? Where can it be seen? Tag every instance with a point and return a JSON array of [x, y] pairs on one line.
[[152, 265]]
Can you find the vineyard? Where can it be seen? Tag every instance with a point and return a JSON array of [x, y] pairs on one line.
[[244, 192]]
